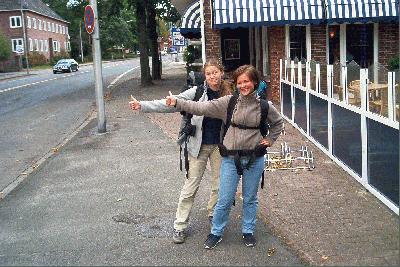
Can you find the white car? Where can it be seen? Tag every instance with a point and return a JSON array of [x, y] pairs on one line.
[[66, 65]]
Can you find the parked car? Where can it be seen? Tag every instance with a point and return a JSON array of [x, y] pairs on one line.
[[172, 50], [66, 65]]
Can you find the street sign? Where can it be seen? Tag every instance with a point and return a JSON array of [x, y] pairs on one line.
[[89, 19], [19, 49], [177, 38]]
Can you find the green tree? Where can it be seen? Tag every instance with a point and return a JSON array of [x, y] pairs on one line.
[[5, 48]]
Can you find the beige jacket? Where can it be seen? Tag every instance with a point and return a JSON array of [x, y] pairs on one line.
[[246, 112]]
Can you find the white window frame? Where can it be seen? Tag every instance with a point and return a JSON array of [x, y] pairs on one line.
[[53, 27], [40, 24], [56, 28], [49, 26], [15, 42], [28, 22], [41, 46], [15, 22], [36, 44], [63, 29], [56, 46], [34, 23], [44, 26], [30, 44], [66, 29], [68, 46], [46, 45]]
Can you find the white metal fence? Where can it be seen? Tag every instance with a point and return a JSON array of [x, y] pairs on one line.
[[351, 114]]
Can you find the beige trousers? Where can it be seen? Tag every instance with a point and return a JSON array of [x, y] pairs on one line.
[[197, 167]]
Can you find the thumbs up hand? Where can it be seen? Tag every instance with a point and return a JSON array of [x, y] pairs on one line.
[[170, 100], [134, 104]]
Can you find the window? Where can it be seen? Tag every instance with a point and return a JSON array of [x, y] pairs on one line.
[[360, 44], [68, 46], [36, 45], [30, 44], [56, 46], [46, 45], [49, 26], [40, 24], [56, 28], [16, 42], [34, 23], [15, 22], [41, 46], [297, 42], [29, 23], [63, 29], [44, 25], [53, 29], [66, 30]]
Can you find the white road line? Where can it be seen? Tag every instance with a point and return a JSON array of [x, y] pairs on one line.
[[120, 76], [29, 84]]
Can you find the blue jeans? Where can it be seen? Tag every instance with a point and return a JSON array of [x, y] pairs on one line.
[[228, 183]]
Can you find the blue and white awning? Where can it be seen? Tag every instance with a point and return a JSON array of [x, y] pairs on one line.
[[245, 13], [361, 10], [190, 22]]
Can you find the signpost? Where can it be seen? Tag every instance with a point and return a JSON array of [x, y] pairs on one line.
[[92, 27]]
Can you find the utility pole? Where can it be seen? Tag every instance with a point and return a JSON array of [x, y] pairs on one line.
[[24, 30], [101, 118], [80, 37]]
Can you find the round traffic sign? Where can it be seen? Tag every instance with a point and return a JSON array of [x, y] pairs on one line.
[[89, 19]]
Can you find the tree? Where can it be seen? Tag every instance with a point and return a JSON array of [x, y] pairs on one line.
[[5, 48], [153, 37]]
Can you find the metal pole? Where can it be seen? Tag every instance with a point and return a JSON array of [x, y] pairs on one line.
[[80, 37], [101, 119], [25, 47]]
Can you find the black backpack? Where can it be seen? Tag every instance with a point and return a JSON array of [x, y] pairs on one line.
[[263, 126]]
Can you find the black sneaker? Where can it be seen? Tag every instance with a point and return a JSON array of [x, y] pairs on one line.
[[179, 237], [249, 240], [212, 241]]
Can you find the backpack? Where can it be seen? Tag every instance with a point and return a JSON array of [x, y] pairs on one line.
[[263, 126], [187, 130]]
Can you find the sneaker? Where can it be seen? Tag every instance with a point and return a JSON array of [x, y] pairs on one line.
[[210, 218], [249, 240], [179, 237], [212, 241]]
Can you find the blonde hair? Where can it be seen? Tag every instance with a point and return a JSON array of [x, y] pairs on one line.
[[225, 87]]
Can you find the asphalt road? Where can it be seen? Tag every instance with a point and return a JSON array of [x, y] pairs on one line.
[[38, 111]]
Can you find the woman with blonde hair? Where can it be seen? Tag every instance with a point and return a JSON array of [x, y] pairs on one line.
[[202, 145]]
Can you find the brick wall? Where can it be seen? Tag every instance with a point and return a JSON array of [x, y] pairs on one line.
[[276, 42], [388, 42], [213, 37], [318, 52]]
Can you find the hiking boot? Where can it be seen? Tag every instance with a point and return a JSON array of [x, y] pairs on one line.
[[249, 240], [179, 237], [212, 241]]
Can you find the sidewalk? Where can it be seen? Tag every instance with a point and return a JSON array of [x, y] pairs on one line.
[[324, 215], [110, 199]]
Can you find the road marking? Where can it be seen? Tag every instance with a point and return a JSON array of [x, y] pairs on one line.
[[120, 76], [48, 80]]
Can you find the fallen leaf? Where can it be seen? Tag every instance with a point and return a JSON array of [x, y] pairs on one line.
[[24, 173], [324, 257], [54, 149], [119, 199], [271, 252]]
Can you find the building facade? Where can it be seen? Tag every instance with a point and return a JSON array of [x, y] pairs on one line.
[[34, 27]]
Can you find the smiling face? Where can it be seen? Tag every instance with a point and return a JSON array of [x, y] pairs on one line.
[[213, 77], [245, 84]]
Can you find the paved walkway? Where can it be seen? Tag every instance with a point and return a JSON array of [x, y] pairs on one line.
[[324, 215], [70, 203]]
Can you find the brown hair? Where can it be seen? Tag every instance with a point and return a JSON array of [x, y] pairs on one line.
[[226, 87], [251, 72]]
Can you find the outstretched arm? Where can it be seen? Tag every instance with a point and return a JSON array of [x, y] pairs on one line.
[[215, 108]]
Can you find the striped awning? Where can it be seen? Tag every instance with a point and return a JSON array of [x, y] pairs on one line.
[[190, 22], [361, 10], [239, 13]]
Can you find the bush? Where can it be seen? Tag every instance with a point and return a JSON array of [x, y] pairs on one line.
[[36, 59], [191, 54], [58, 56], [394, 63], [5, 48]]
